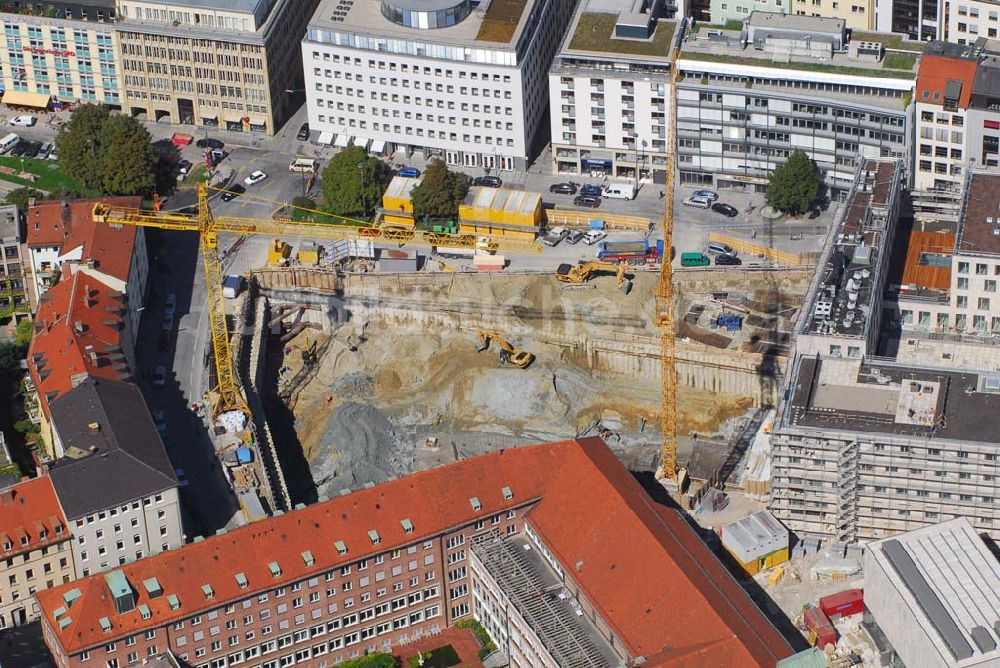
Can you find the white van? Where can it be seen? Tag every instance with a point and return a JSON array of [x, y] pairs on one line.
[[9, 142], [620, 191], [307, 165]]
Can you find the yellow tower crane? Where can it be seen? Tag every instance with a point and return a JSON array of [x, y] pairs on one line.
[[208, 227], [665, 297]]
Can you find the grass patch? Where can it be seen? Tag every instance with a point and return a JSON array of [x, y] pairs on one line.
[[198, 174], [50, 177], [501, 19], [805, 67], [441, 657], [899, 61], [594, 32], [889, 41]]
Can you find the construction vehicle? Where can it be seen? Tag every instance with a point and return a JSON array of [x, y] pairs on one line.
[[227, 395], [445, 267], [509, 355], [579, 274]]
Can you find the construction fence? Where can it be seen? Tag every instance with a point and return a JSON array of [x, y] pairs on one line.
[[612, 221], [783, 258]]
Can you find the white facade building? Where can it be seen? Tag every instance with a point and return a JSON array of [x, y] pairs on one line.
[[608, 92], [446, 79]]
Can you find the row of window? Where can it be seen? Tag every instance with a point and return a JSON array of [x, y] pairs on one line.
[[415, 69], [943, 321]]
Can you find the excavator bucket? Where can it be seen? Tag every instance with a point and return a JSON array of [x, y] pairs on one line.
[[484, 343], [626, 287]]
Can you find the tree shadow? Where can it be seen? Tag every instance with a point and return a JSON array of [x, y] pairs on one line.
[[165, 167]]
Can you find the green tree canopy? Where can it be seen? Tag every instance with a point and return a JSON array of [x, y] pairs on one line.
[[108, 153], [342, 179], [21, 197], [794, 186], [440, 192], [23, 332], [126, 157]]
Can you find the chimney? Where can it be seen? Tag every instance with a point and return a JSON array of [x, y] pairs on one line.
[[78, 327], [94, 426], [90, 263]]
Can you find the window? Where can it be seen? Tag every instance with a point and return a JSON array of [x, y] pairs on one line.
[[984, 304], [963, 267]]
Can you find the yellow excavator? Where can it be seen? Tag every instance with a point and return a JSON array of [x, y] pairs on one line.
[[578, 274], [509, 355]]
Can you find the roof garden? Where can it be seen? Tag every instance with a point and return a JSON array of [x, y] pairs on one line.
[[500, 21], [594, 32]]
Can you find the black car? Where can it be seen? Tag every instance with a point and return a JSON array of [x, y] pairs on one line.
[[591, 191], [725, 210], [303, 133], [232, 192], [488, 181], [727, 260], [32, 149], [209, 143], [19, 149], [563, 189], [587, 201]]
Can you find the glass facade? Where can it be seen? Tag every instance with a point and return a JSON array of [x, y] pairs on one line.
[[438, 18]]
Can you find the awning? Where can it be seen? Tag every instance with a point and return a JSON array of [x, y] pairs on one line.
[[258, 120], [378, 147], [363, 142], [342, 141], [325, 138], [21, 99], [234, 116], [210, 117]]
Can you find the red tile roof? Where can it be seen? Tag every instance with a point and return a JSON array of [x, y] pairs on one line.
[[935, 72], [77, 333], [26, 509], [71, 224], [651, 578]]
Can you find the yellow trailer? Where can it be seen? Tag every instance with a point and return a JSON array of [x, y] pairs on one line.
[[397, 203], [500, 208]]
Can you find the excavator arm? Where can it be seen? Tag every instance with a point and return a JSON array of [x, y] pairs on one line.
[[580, 273], [509, 354]]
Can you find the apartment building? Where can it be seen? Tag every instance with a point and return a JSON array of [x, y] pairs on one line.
[[380, 567], [34, 548], [229, 64], [858, 14], [59, 51], [748, 98], [63, 237], [608, 92], [919, 20], [969, 20], [935, 594], [454, 80], [13, 293], [116, 486]]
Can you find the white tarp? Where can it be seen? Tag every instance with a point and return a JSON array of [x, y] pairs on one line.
[[342, 141], [363, 142], [378, 147], [325, 138]]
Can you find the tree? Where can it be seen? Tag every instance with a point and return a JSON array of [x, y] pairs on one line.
[[21, 196], [78, 146], [107, 153], [439, 193], [794, 186], [126, 157], [342, 179], [23, 332]]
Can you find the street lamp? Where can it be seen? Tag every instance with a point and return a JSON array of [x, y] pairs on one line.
[[364, 201], [640, 165]]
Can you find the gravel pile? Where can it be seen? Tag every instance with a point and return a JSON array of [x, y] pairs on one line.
[[353, 386]]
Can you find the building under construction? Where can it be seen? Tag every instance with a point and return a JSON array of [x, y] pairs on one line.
[[865, 447]]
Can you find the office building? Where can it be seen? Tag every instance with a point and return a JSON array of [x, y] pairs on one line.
[[859, 15], [957, 114], [13, 293], [967, 21], [935, 594], [229, 64], [463, 82], [749, 98], [59, 52], [115, 485], [919, 20], [34, 548], [627, 581], [608, 92]]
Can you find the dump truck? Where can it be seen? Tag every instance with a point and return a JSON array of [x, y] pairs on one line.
[[633, 252]]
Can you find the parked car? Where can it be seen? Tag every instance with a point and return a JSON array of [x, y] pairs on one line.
[[698, 202], [725, 210], [303, 133], [32, 148], [707, 194], [555, 235], [563, 189], [25, 121], [170, 305], [488, 181], [160, 422], [409, 172], [53, 154], [727, 260], [587, 201], [181, 478], [593, 236], [718, 248], [43, 153], [591, 191], [574, 237], [167, 324], [255, 177], [18, 149], [160, 376], [233, 192], [183, 167], [208, 142]]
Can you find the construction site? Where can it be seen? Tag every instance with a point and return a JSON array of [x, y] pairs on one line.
[[370, 376]]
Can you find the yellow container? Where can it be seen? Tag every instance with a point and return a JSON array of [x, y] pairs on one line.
[[278, 251]]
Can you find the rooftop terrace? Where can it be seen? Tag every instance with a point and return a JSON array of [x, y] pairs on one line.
[[850, 395], [594, 32]]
